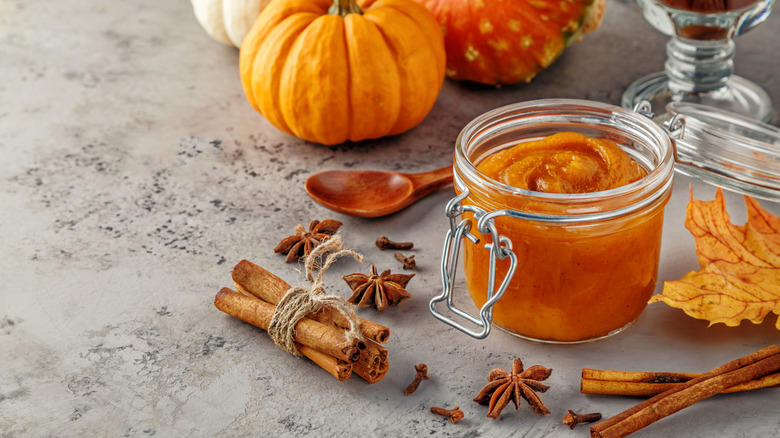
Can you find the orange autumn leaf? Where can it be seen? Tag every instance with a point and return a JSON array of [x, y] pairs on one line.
[[740, 275]]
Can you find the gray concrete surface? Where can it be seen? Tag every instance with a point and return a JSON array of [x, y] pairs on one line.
[[134, 175]]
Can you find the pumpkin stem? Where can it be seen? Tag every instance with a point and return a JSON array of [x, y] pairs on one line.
[[344, 8]]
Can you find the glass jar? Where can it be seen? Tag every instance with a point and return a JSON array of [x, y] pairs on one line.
[[556, 267]]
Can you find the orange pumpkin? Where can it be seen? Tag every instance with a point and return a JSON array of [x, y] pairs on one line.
[[330, 71], [508, 41]]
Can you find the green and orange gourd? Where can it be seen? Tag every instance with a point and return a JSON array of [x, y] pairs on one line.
[[508, 41]]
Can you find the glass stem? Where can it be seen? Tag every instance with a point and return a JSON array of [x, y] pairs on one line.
[[698, 66]]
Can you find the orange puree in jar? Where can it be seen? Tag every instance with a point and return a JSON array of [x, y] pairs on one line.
[[566, 162], [574, 281]]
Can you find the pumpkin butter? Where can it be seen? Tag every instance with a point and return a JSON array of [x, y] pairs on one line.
[[567, 162], [574, 281]]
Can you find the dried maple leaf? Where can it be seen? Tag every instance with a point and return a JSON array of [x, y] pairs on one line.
[[302, 242], [740, 275]]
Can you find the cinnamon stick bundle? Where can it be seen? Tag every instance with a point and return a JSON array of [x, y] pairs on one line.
[[742, 370], [326, 339], [321, 336], [647, 384], [257, 281]]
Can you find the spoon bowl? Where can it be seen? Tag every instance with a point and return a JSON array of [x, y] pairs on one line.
[[372, 193]]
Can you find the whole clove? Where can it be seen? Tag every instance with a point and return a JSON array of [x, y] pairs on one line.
[[383, 242], [571, 419], [453, 414], [422, 374], [408, 262]]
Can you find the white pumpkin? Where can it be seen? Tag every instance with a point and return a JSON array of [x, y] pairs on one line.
[[228, 21]]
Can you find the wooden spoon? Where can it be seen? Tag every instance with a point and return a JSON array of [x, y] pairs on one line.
[[370, 193]]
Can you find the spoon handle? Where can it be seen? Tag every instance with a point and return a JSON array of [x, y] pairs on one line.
[[427, 182]]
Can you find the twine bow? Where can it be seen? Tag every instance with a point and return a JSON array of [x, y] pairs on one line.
[[298, 301]]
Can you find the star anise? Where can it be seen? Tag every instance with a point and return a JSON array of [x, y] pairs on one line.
[[378, 290], [513, 386], [302, 242]]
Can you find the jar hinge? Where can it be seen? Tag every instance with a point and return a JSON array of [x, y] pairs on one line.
[[449, 264], [675, 128]]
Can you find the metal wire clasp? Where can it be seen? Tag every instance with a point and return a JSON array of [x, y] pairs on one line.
[[500, 249], [675, 128]]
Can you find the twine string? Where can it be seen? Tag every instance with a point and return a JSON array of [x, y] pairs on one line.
[[298, 302]]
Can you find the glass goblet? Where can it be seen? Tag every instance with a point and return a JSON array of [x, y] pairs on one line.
[[699, 67]]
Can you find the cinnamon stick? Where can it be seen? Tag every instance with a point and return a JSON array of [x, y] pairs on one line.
[[324, 338], [257, 281], [373, 354], [637, 376], [371, 374], [744, 369], [337, 368], [372, 365], [647, 384]]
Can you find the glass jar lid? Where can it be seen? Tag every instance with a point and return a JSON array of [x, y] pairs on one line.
[[728, 150]]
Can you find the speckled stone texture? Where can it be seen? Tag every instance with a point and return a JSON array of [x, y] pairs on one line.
[[134, 175]]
